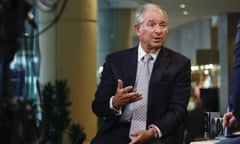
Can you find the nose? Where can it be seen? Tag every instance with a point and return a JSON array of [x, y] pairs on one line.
[[158, 29]]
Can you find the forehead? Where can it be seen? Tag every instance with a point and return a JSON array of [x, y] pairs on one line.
[[154, 13]]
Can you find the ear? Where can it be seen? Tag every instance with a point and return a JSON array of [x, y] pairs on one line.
[[137, 28]]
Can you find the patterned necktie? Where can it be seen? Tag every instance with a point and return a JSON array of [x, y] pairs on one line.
[[139, 116]]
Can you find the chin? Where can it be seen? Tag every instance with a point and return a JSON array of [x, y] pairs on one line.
[[157, 45]]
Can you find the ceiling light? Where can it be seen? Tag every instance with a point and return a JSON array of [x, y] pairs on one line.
[[185, 12], [182, 6]]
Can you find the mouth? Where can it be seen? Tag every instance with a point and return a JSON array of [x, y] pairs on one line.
[[157, 39]]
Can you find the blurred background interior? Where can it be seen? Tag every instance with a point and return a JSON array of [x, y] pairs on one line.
[[56, 48]]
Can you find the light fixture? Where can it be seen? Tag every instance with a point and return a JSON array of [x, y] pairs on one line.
[[182, 6], [185, 12]]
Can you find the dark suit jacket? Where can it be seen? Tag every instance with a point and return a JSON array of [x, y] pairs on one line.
[[235, 82], [169, 88]]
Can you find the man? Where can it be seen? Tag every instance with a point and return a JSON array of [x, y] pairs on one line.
[[232, 119], [168, 88]]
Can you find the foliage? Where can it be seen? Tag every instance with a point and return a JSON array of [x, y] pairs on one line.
[[55, 114], [18, 124], [76, 134]]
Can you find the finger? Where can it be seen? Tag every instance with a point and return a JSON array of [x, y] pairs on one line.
[[226, 119], [135, 97], [134, 141], [225, 123], [232, 121], [133, 134], [127, 89], [120, 84]]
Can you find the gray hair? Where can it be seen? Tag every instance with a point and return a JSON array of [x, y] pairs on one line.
[[139, 15]]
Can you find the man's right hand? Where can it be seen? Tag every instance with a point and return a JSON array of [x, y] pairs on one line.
[[123, 96]]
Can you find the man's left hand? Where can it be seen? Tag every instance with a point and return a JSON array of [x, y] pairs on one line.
[[142, 136]]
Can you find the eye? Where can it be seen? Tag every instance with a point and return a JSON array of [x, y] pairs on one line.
[[151, 24], [163, 25]]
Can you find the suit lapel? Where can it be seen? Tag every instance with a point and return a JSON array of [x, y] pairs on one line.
[[160, 66], [131, 66]]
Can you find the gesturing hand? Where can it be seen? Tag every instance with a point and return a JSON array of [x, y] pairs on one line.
[[123, 96]]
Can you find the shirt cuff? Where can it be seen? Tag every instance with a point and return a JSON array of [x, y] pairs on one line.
[[118, 111], [158, 130]]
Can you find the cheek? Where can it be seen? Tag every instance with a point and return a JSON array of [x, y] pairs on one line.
[[165, 35], [144, 33]]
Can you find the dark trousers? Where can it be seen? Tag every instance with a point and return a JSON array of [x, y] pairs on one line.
[[119, 134]]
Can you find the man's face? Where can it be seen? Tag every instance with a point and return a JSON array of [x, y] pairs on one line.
[[153, 31]]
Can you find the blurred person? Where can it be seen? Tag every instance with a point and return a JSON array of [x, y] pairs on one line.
[[121, 87], [231, 120], [195, 121]]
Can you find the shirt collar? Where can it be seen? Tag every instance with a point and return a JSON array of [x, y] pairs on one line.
[[142, 53]]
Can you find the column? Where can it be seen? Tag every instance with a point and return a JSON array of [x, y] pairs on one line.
[[227, 28], [76, 60], [48, 45]]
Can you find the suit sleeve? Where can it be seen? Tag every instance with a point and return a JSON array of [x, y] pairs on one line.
[[179, 97], [106, 89], [235, 81]]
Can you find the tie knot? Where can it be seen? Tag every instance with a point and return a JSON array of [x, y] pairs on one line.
[[147, 58]]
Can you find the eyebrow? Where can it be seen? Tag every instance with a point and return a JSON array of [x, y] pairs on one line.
[[161, 22]]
